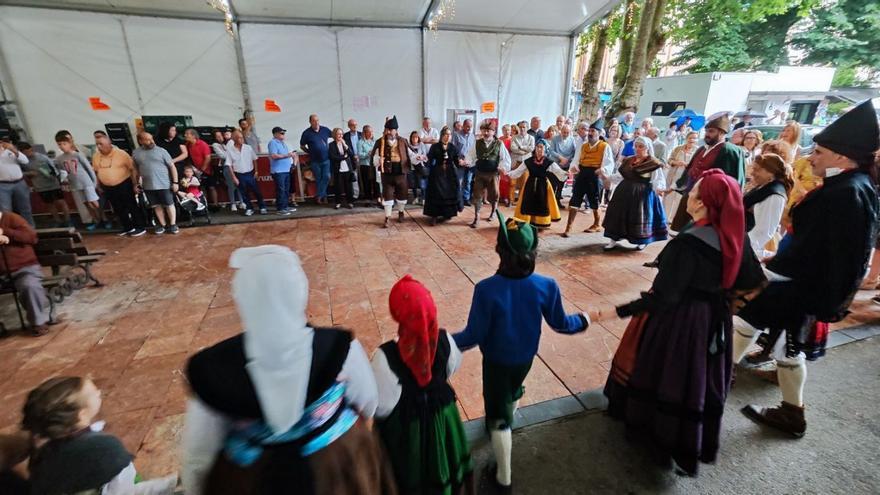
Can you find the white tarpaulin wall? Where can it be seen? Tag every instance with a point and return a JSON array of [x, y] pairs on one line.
[[524, 75], [59, 59], [337, 73]]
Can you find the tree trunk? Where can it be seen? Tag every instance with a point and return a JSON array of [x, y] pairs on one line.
[[590, 106], [658, 37], [630, 19], [635, 76]]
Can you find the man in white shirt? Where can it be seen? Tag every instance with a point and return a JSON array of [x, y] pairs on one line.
[[242, 158], [521, 147], [15, 195], [427, 134], [489, 157]]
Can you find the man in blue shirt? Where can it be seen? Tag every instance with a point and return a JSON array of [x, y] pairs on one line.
[[464, 141], [281, 160], [505, 322], [629, 148], [314, 141]]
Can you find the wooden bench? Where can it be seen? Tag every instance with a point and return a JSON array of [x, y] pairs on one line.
[[64, 247]]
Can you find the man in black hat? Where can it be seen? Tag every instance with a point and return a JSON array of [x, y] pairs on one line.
[[490, 158], [820, 264], [281, 160], [390, 156], [595, 163], [716, 153]]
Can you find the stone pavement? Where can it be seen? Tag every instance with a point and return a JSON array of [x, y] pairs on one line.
[[165, 298], [587, 453]]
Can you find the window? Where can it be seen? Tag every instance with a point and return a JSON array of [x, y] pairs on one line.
[[664, 108]]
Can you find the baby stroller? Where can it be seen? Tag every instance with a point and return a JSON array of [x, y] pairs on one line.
[[189, 209]]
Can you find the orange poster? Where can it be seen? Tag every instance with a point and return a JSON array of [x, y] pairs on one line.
[[98, 105], [488, 107], [271, 106]]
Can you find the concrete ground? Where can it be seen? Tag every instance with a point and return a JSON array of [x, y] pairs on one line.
[[587, 453]]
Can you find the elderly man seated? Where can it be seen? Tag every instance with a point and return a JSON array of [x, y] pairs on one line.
[[19, 261]]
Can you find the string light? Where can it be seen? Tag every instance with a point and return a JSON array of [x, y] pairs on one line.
[[445, 12], [223, 7]]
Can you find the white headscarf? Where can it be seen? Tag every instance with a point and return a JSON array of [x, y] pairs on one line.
[[648, 144], [271, 292]]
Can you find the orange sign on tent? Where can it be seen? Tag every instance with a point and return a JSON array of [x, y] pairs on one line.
[[271, 106], [488, 107], [98, 105]]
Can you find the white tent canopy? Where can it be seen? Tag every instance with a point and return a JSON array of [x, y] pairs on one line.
[[362, 59]]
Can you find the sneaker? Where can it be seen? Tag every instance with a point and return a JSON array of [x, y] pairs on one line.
[[126, 233], [294, 205], [264, 211], [108, 225], [232, 207], [284, 212], [138, 232], [174, 229], [338, 206], [159, 230], [242, 206], [91, 227], [200, 206], [350, 206], [248, 212]]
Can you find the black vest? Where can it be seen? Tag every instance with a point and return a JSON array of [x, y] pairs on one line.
[[488, 156], [757, 195], [81, 462]]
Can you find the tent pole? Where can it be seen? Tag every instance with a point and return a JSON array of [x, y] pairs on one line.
[[242, 72], [569, 68], [137, 86], [424, 84]]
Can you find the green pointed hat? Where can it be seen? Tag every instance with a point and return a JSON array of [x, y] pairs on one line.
[[519, 237]]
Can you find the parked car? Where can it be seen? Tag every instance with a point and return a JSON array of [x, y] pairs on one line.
[[807, 133]]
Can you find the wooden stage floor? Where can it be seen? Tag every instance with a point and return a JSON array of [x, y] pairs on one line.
[[167, 297]]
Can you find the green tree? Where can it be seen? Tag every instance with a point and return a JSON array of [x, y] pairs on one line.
[[845, 33], [590, 88]]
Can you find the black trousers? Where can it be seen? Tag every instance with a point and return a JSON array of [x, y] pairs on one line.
[[344, 188], [369, 185], [122, 199]]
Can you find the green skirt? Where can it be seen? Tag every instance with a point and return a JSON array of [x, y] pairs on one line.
[[435, 459], [502, 386]]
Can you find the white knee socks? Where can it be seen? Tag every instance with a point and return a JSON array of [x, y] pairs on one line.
[[744, 335], [792, 376], [502, 444], [401, 206], [388, 205]]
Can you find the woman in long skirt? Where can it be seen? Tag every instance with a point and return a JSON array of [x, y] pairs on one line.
[[635, 213], [441, 194], [671, 373], [537, 202]]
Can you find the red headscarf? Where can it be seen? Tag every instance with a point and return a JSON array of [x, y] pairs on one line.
[[723, 199], [412, 307]]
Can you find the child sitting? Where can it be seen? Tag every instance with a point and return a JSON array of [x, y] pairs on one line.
[[190, 194], [69, 455], [417, 416]]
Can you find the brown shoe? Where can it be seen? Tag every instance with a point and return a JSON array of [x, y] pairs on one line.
[[400, 217], [385, 225], [786, 418]]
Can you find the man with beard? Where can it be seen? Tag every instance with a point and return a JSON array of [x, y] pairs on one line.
[[595, 163], [489, 157], [820, 263], [716, 153], [390, 156]]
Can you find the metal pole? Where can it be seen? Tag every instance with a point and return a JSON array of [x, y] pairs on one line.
[[242, 72], [424, 83], [137, 86], [569, 70]]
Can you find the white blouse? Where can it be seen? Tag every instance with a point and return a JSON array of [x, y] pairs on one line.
[[389, 384], [768, 214]]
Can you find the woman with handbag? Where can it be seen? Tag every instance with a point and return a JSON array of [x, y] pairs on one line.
[[342, 165]]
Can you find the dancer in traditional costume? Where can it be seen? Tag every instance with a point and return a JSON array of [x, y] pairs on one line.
[[595, 164], [490, 158], [635, 213], [671, 373], [442, 192], [716, 153], [391, 157], [280, 408], [765, 202], [505, 322], [537, 205], [417, 415], [816, 272]]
